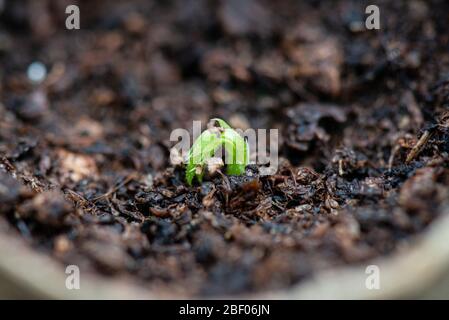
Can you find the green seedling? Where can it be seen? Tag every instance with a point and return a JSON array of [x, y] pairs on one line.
[[207, 144]]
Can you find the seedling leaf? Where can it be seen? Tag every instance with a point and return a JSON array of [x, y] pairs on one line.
[[206, 145]]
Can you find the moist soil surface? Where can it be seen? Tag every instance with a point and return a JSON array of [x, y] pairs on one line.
[[363, 119]]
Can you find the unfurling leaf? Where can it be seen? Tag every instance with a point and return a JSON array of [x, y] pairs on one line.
[[204, 148]]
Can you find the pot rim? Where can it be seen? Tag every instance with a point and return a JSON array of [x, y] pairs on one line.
[[404, 274]]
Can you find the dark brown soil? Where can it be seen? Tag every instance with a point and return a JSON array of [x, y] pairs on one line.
[[363, 115]]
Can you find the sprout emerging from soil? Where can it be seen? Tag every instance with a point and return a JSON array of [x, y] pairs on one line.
[[201, 155]]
